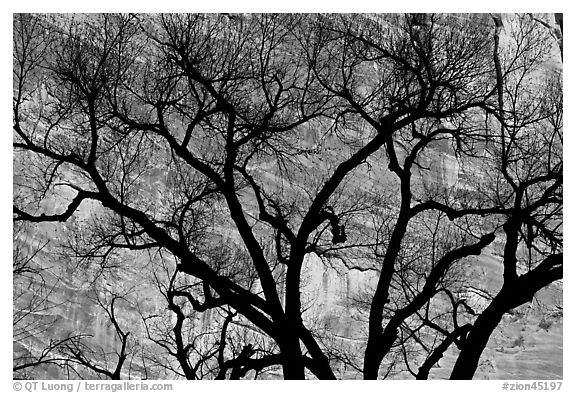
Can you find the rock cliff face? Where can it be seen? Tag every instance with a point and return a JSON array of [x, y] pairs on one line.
[[528, 343]]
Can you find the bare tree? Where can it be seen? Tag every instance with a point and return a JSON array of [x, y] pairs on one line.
[[81, 352], [530, 165], [237, 147], [33, 314]]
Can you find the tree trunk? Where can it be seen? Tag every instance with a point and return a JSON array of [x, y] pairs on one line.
[[379, 340], [476, 341], [514, 293], [438, 353], [372, 359], [292, 359], [292, 367], [375, 352]]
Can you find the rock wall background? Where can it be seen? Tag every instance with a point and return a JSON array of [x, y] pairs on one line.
[[528, 343]]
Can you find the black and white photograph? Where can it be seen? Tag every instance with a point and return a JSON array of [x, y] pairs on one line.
[[287, 196]]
